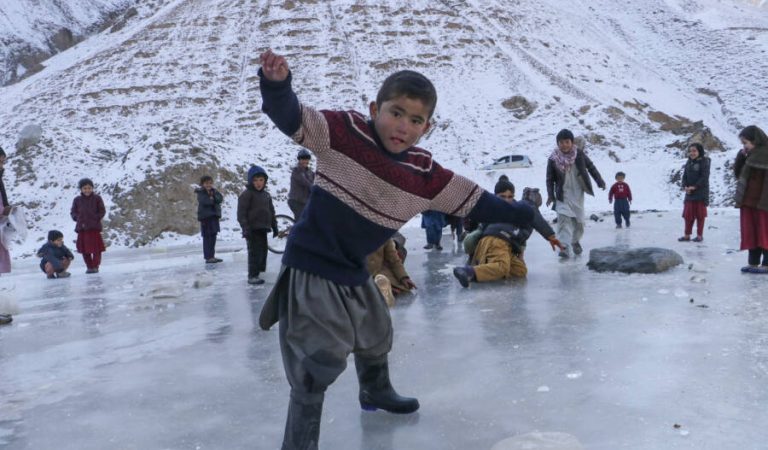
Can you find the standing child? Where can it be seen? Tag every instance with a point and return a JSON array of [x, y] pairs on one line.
[[433, 223], [568, 171], [256, 215], [623, 195], [5, 210], [208, 213], [751, 170], [371, 179], [302, 179], [87, 211], [56, 257], [696, 187]]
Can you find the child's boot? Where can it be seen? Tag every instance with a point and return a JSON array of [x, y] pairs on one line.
[[376, 391], [464, 274], [5, 319], [302, 427], [255, 280], [63, 274]]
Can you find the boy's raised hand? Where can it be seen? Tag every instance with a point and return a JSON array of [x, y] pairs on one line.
[[274, 67]]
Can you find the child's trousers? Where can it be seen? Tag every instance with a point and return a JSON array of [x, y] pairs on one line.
[[434, 233], [621, 209], [569, 230], [321, 323], [257, 252], [493, 260]]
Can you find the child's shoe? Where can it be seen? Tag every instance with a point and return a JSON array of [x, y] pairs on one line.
[[51, 277], [428, 247], [438, 247], [255, 280], [684, 239], [464, 274], [577, 248], [385, 287], [697, 239], [760, 269], [92, 271], [747, 269], [618, 226], [63, 274], [5, 319]]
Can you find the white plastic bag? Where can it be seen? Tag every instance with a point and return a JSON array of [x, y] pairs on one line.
[[13, 228]]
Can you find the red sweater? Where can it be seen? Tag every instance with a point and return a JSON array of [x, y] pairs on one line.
[[620, 190]]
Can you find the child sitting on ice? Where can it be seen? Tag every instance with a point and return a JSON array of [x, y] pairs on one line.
[[56, 257]]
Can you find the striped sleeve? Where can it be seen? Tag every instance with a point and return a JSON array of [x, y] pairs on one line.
[[458, 197], [313, 132]]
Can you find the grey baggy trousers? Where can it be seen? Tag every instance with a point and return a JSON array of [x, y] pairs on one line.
[[321, 323]]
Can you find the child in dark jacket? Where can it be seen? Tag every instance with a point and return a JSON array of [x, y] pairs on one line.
[[751, 170], [256, 215], [623, 195], [88, 210], [56, 257], [371, 180], [208, 213], [696, 187]]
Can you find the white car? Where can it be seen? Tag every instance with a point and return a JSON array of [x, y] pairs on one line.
[[509, 162]]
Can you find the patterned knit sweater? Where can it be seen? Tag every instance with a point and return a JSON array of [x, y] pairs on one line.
[[362, 192]]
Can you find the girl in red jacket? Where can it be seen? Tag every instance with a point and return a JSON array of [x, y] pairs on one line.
[[88, 210]]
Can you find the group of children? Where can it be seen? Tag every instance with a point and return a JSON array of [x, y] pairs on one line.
[[87, 211]]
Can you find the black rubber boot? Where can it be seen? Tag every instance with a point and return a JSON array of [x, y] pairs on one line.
[[464, 274], [376, 391], [302, 428]]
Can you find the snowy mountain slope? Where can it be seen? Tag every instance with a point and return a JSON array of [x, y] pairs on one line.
[[33, 30], [148, 109]]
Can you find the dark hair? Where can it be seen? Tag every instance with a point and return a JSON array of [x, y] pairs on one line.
[[304, 154], [54, 234], [749, 133], [205, 178], [620, 174], [411, 84], [503, 186], [2, 152], [84, 182], [503, 178], [563, 135], [698, 147]]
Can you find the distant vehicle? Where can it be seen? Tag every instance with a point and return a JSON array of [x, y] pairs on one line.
[[509, 162]]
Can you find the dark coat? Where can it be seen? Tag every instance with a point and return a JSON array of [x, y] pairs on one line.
[[208, 205], [2, 189], [255, 210], [516, 236], [743, 174], [696, 173], [88, 211], [53, 254], [585, 167], [301, 183]]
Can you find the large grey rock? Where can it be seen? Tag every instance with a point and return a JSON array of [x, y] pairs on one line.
[[29, 136], [637, 260]]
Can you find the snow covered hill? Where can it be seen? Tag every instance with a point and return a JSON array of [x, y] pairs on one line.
[[147, 109]]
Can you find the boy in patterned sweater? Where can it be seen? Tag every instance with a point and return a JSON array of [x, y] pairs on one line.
[[370, 180]]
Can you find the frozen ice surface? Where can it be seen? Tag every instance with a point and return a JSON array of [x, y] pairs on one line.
[[137, 357]]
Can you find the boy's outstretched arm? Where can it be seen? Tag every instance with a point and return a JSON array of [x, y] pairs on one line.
[[491, 209], [279, 101]]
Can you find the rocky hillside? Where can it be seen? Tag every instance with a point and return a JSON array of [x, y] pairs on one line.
[[147, 108]]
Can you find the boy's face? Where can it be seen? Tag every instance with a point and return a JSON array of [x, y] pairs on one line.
[[747, 146], [565, 146], [208, 185], [693, 152], [400, 122], [86, 190], [58, 242], [619, 178], [304, 163], [508, 196], [259, 182]]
